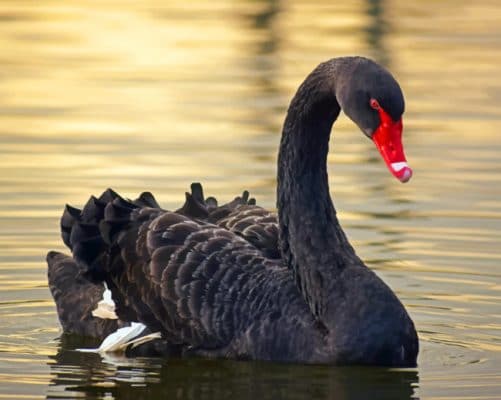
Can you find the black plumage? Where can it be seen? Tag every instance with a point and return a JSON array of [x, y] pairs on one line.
[[76, 298], [237, 281]]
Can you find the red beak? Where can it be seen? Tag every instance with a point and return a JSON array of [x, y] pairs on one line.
[[388, 139]]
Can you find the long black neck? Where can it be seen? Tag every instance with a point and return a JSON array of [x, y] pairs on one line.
[[313, 243]]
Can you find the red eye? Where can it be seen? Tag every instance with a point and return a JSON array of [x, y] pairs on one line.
[[374, 104]]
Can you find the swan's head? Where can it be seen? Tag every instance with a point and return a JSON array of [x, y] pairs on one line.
[[372, 98]]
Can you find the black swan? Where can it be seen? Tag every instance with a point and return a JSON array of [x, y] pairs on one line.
[[235, 280]]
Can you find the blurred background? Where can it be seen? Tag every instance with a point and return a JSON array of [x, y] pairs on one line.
[[154, 95]]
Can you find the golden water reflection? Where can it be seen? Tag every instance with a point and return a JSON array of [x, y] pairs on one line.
[[154, 95]]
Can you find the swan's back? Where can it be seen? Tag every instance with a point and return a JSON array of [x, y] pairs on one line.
[[207, 277]]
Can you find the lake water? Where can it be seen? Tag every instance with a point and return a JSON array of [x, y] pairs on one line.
[[154, 95]]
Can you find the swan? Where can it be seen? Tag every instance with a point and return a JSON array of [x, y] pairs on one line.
[[235, 280]]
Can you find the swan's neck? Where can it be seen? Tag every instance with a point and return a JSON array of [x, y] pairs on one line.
[[313, 243]]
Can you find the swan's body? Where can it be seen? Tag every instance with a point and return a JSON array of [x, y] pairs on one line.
[[235, 281]]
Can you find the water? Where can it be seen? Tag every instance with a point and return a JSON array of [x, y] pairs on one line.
[[154, 95]]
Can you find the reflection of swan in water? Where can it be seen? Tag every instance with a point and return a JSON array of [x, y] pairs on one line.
[[214, 280], [86, 375]]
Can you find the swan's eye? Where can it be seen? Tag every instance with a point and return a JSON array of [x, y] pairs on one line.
[[374, 104]]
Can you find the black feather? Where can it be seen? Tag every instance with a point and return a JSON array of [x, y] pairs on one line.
[[68, 219]]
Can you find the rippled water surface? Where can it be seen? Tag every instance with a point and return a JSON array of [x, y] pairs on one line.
[[154, 95]]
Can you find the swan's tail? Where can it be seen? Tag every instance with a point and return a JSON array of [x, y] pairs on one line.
[[79, 303], [76, 298]]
